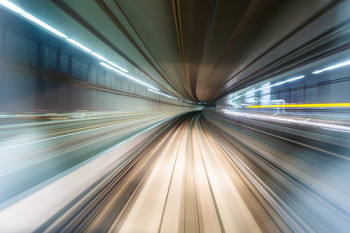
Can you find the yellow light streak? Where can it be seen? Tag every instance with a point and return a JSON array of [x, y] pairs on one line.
[[321, 105]]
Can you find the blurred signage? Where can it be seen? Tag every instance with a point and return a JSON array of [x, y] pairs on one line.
[[265, 94]]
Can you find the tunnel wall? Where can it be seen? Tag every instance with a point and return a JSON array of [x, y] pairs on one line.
[[324, 88], [22, 93], [40, 72]]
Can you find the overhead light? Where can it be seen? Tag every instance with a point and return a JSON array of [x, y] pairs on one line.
[[288, 80], [128, 76], [18, 10], [9, 5], [76, 43], [159, 93], [44, 25], [346, 63], [116, 66], [276, 84], [107, 61], [12, 6], [99, 56], [265, 87], [296, 78]]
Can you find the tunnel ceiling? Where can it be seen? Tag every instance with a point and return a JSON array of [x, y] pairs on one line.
[[194, 49]]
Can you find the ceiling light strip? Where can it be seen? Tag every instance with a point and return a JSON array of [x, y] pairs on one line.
[[9, 5], [159, 93], [276, 84], [127, 76], [346, 63]]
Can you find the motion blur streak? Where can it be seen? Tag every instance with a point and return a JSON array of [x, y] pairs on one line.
[[175, 116], [299, 160], [178, 172], [298, 120], [207, 172], [328, 105]]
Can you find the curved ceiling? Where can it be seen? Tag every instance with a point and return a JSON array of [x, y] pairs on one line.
[[192, 49]]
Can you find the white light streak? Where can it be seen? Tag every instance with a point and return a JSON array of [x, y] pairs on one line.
[[9, 5], [276, 84], [76, 43], [32, 18], [128, 76], [159, 93], [99, 56], [346, 63], [12, 6], [296, 78], [44, 25], [250, 92], [116, 66], [279, 83], [291, 120]]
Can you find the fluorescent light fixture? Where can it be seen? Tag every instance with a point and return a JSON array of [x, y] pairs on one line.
[[276, 84], [12, 6], [159, 93], [107, 61], [264, 87], [279, 83], [30, 17], [44, 25], [296, 78], [128, 76], [99, 56], [9, 5], [288, 80], [76, 43], [346, 63], [116, 66]]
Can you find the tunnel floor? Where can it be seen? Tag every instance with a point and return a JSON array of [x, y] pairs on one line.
[[195, 172]]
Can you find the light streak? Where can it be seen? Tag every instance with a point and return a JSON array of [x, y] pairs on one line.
[[159, 93], [307, 121], [320, 105], [231, 100], [76, 43], [127, 76], [277, 84], [18, 10], [346, 63]]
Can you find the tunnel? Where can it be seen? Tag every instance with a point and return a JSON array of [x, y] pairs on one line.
[[174, 116]]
